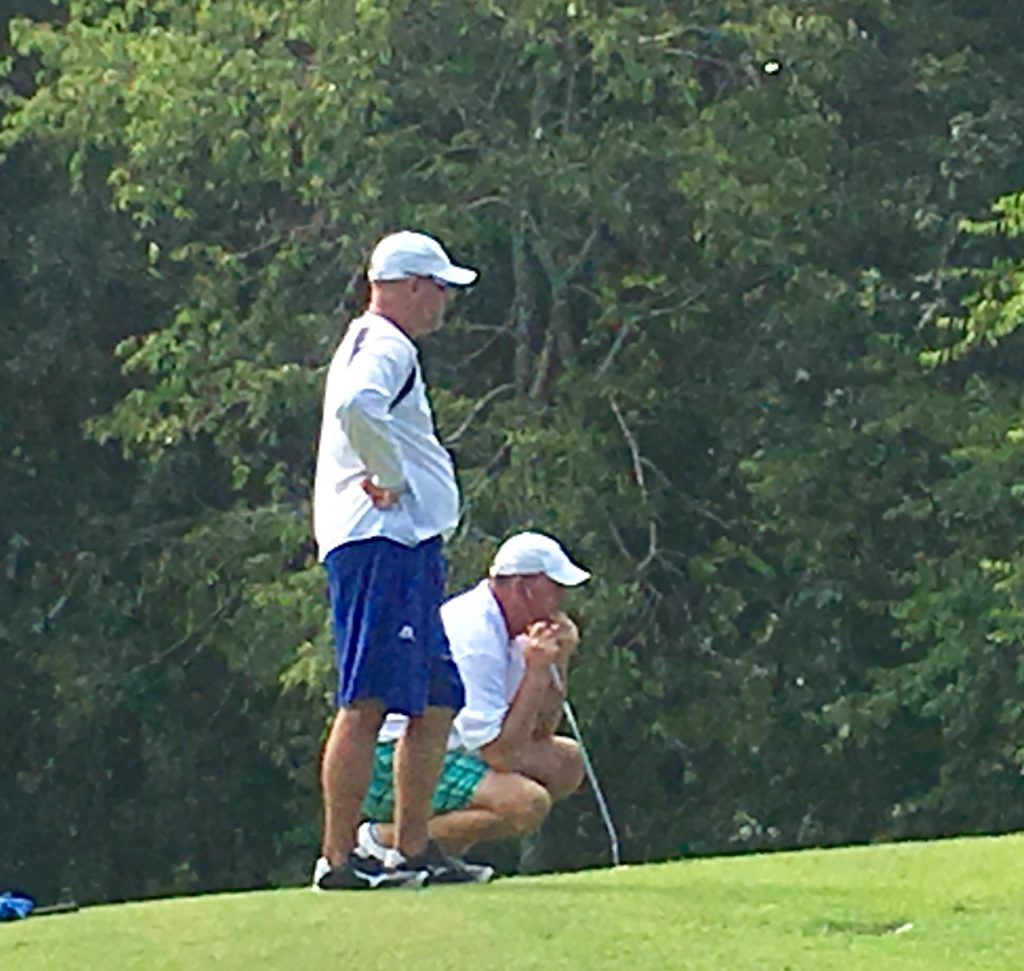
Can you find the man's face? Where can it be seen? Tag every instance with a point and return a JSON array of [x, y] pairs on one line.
[[541, 596], [432, 297]]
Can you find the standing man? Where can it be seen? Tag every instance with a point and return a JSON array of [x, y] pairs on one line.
[[385, 497]]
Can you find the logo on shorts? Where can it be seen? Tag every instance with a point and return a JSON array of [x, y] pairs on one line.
[[407, 633]]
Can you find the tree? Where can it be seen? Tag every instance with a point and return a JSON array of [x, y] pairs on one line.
[[712, 241]]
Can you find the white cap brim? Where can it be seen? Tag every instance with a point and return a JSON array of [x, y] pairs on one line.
[[458, 276], [568, 574]]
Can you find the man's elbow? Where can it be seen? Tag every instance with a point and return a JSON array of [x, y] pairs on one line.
[[359, 403], [498, 756]]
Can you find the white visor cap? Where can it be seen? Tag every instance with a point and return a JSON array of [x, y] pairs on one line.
[[527, 553], [405, 254]]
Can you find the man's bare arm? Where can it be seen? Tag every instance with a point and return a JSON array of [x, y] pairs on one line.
[[550, 715], [517, 730]]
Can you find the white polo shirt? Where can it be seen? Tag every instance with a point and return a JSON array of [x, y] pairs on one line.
[[364, 432], [490, 662]]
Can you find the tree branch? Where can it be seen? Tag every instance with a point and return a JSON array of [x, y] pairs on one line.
[[450, 440], [620, 339], [638, 472], [519, 311]]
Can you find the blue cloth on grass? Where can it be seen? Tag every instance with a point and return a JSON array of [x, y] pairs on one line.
[[15, 906]]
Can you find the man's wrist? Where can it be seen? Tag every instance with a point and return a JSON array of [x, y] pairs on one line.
[[378, 483], [538, 670]]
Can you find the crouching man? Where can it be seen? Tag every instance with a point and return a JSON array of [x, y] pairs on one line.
[[505, 766]]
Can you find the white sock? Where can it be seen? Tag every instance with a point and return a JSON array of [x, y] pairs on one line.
[[393, 859]]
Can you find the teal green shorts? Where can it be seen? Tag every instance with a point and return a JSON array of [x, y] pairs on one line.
[[460, 777]]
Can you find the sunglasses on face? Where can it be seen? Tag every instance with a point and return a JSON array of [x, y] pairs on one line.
[[443, 285]]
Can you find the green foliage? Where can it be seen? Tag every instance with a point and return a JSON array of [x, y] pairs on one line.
[[717, 242]]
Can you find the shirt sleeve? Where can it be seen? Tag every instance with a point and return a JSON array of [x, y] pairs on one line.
[[483, 675], [372, 380]]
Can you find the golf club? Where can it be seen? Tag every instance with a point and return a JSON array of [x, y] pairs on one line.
[[602, 805]]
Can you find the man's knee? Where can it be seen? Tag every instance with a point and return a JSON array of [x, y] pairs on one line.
[[355, 725], [570, 768], [522, 803], [531, 807]]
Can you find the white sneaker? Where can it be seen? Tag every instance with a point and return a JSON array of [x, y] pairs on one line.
[[320, 869], [368, 842], [362, 873], [443, 868], [368, 845]]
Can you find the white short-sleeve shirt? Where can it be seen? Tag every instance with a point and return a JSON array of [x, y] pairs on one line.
[[491, 665], [371, 428]]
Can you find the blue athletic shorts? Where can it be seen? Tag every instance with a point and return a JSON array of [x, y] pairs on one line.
[[385, 611]]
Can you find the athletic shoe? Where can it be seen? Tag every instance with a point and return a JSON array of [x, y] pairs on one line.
[[360, 873], [368, 841], [320, 869], [369, 844], [441, 868]]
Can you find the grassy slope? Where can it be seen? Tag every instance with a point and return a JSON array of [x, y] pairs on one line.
[[964, 900]]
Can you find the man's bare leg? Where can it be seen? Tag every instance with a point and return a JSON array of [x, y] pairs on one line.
[[555, 762], [345, 775], [506, 805], [419, 755]]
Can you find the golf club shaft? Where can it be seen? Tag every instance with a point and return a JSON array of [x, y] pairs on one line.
[[602, 805]]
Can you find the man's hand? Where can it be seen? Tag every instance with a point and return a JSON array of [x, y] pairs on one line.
[[381, 498], [541, 647], [566, 632], [567, 637]]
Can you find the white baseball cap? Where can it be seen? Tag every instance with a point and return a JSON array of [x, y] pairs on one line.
[[405, 254], [527, 553]]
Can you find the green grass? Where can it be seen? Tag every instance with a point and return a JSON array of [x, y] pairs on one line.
[[952, 905]]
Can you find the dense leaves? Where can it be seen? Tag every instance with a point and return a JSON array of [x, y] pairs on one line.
[[745, 339]]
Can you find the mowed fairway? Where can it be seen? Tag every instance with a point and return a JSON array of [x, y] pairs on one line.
[[944, 906]]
